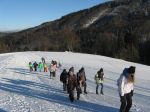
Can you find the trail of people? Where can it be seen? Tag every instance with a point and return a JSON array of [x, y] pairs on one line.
[[22, 90]]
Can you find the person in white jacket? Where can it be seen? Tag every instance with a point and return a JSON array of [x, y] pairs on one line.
[[126, 88]]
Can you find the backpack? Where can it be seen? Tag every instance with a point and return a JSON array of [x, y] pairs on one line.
[[100, 75], [119, 80], [124, 73]]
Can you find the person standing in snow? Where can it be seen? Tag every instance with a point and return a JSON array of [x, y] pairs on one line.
[[63, 79], [59, 65], [45, 67], [99, 78], [30, 66], [40, 66], [53, 68], [81, 79], [43, 60], [126, 88], [72, 83]]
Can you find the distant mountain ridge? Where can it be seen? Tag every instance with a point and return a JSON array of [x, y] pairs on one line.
[[117, 29]]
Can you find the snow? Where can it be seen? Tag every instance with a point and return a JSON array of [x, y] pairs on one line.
[[95, 18], [25, 91], [118, 9]]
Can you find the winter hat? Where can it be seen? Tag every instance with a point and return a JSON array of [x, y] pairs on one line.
[[101, 70], [131, 70], [64, 70], [125, 72], [71, 69], [82, 69]]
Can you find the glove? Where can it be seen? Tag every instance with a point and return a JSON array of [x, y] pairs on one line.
[[132, 92]]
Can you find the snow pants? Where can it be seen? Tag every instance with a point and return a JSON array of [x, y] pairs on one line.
[[64, 86], [126, 102]]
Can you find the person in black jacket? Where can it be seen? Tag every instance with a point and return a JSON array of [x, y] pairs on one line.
[[63, 79], [35, 65]]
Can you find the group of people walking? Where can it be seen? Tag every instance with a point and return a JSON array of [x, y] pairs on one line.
[[125, 83], [38, 66], [43, 66], [72, 81]]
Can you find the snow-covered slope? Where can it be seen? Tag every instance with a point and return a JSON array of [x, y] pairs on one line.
[[95, 18], [24, 91]]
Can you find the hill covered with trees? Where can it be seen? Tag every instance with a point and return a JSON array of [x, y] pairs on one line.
[[118, 29]]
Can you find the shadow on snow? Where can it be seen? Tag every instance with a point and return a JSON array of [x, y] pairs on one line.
[[51, 94], [2, 110]]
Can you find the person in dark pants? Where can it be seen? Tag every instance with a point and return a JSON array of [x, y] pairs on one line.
[[125, 87], [35, 65], [63, 79], [126, 102], [72, 83]]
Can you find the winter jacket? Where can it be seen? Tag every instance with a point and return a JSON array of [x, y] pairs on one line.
[[35, 65], [125, 87], [40, 65], [72, 82], [98, 79], [63, 77], [81, 77], [30, 65], [53, 68]]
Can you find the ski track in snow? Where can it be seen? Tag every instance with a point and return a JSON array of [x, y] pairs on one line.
[[24, 91]]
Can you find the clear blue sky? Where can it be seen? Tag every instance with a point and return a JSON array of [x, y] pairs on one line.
[[21, 14]]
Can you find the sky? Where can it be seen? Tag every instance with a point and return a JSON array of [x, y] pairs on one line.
[[22, 14]]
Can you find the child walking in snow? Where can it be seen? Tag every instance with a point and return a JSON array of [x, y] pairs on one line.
[[30, 66], [45, 67], [40, 66]]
